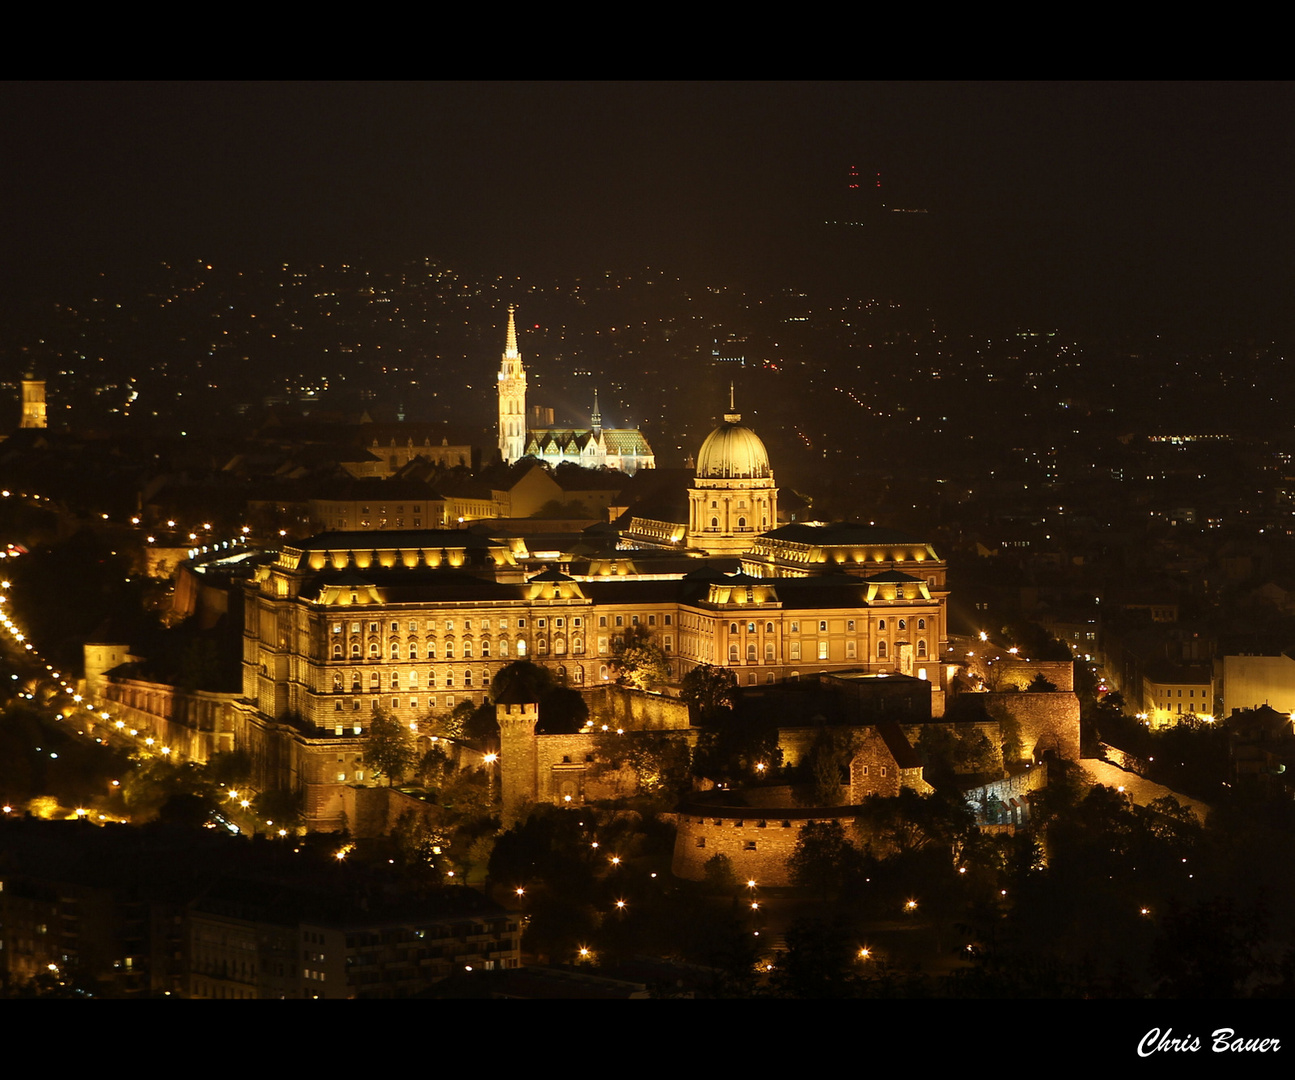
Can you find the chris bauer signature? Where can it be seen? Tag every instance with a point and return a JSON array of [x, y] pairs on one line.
[[1221, 1041]]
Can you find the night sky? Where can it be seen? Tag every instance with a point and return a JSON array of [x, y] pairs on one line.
[[1100, 207]]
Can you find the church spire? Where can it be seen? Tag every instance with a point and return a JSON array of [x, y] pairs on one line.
[[732, 416], [596, 420], [510, 344], [512, 396]]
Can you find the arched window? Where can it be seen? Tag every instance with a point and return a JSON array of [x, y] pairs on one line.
[[732, 654], [449, 650], [602, 671], [903, 624], [768, 628], [413, 650], [337, 652], [467, 650], [395, 651], [921, 624], [503, 646], [881, 624], [521, 648], [485, 649], [750, 652], [768, 652], [337, 682], [580, 675], [921, 649], [373, 680], [431, 650], [741, 523], [714, 523], [355, 652], [881, 650], [560, 646], [467, 678], [395, 681], [373, 651]]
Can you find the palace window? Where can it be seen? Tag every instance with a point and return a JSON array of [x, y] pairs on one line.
[[822, 650], [732, 654], [750, 653], [881, 650]]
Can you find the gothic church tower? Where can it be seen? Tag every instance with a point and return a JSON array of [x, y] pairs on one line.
[[512, 398]]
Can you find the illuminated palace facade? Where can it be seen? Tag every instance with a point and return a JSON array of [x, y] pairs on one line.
[[594, 447], [418, 621]]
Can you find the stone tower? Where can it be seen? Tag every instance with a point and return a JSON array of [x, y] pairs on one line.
[[517, 758], [33, 402], [512, 398]]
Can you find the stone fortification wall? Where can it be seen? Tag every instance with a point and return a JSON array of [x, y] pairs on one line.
[[758, 842], [636, 710], [1049, 722], [1005, 674], [1012, 792]]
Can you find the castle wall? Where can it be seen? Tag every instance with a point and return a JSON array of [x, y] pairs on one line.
[[758, 843], [636, 710], [1048, 721]]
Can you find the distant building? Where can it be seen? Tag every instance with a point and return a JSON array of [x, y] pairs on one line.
[[594, 447], [33, 403], [1171, 692]]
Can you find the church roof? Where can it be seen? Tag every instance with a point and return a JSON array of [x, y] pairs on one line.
[[620, 441]]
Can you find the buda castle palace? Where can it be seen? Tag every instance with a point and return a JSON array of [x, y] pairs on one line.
[[345, 623]]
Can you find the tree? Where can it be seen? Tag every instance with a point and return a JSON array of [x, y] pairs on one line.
[[229, 767], [563, 711], [822, 856], [523, 679], [285, 808], [709, 692], [389, 749], [640, 661]]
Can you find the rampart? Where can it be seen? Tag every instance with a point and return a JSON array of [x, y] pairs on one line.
[[758, 842]]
